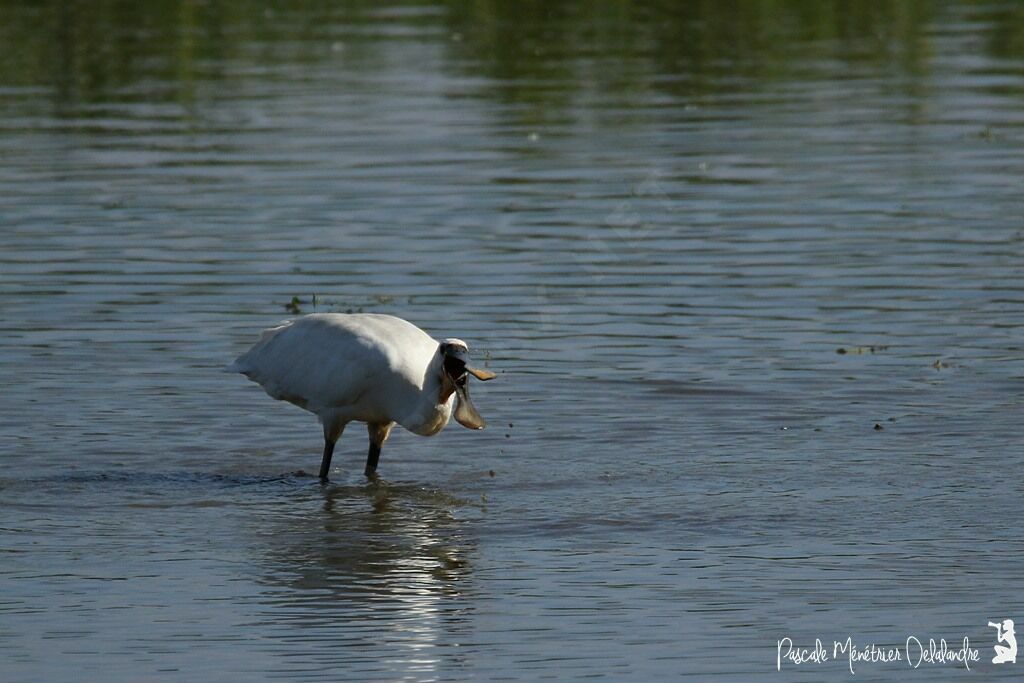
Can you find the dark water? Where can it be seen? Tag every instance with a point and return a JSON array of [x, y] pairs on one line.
[[658, 223]]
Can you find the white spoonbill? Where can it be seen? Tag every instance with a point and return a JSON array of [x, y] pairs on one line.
[[364, 367]]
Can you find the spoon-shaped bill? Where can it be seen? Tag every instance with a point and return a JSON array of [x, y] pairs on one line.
[[465, 412]]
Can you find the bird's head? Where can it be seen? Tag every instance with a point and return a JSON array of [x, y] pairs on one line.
[[456, 371]]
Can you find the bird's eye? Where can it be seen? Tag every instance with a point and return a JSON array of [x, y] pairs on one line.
[[454, 366]]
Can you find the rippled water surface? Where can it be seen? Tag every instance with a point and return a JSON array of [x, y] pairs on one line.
[[752, 275]]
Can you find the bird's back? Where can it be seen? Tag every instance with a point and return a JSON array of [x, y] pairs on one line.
[[329, 361]]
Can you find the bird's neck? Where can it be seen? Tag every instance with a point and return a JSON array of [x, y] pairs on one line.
[[434, 408]]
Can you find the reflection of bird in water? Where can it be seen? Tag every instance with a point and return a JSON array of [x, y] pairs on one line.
[[393, 575], [370, 368]]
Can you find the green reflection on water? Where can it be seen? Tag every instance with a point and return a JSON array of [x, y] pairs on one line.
[[539, 54]]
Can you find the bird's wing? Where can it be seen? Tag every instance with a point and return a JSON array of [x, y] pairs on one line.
[[314, 362]]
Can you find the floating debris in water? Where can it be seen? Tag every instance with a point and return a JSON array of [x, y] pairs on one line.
[[860, 350], [326, 303], [491, 472]]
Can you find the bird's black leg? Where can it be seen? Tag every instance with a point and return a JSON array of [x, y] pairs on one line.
[[371, 459], [378, 435], [325, 463]]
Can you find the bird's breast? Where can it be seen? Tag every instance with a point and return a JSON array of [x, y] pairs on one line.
[[432, 420]]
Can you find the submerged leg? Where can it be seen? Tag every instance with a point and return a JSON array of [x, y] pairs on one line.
[[325, 462], [378, 435], [371, 460], [332, 433]]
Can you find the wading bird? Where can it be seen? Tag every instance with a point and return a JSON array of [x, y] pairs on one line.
[[364, 367]]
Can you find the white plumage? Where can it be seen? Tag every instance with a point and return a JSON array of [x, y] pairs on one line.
[[364, 367]]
